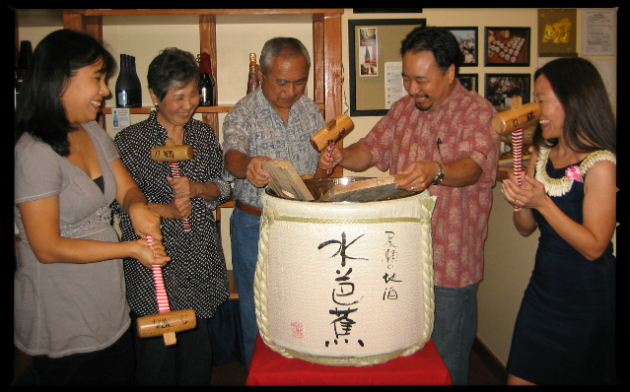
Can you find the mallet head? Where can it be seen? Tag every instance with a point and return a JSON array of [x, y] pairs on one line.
[[171, 152], [167, 324]]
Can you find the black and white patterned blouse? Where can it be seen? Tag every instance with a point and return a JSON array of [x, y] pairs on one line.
[[196, 276]]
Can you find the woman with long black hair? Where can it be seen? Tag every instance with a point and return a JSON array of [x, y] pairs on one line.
[[565, 329], [70, 310]]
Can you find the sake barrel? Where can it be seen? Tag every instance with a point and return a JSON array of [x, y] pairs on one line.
[[345, 283]]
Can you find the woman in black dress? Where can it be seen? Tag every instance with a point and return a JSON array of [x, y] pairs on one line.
[[565, 329]]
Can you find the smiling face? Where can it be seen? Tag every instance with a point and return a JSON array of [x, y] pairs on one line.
[[551, 111], [425, 81], [84, 93], [178, 105]]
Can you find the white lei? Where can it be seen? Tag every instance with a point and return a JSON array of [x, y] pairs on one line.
[[560, 186]]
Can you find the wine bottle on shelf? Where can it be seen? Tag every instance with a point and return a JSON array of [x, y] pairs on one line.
[[137, 85], [124, 84], [252, 83], [208, 89]]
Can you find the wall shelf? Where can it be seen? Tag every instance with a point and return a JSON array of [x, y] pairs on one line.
[[200, 109], [327, 65], [264, 11]]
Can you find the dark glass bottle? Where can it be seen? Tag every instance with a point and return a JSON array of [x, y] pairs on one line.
[[252, 83], [208, 87], [207, 93], [124, 85], [137, 101]]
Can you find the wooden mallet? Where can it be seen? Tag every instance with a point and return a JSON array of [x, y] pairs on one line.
[[173, 154], [166, 322], [514, 120], [330, 134]]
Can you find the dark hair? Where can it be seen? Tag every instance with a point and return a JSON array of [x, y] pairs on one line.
[[437, 40], [56, 59], [284, 46], [173, 67], [589, 123]]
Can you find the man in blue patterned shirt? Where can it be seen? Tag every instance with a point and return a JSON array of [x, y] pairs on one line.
[[274, 122]]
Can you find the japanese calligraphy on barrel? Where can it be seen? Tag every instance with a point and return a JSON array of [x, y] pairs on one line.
[[345, 284]]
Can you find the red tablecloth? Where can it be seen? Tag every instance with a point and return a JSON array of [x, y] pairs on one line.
[[425, 367]]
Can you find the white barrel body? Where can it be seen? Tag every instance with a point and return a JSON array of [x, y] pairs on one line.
[[345, 283]]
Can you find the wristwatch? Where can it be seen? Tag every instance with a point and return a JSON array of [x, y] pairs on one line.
[[440, 176]]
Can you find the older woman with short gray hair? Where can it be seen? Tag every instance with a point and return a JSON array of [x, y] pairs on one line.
[[196, 277]]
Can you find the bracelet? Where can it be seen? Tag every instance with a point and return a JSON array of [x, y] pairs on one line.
[[440, 176]]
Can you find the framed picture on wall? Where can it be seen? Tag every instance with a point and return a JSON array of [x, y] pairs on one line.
[[507, 46], [556, 32], [469, 81], [375, 63], [500, 88], [468, 43]]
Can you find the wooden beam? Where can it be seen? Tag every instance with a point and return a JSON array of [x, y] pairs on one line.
[[318, 57], [212, 11], [208, 44], [74, 20], [94, 27], [332, 73], [332, 65]]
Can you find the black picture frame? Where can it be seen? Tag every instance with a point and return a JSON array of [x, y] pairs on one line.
[[469, 81], [468, 39], [507, 46], [391, 42], [501, 87]]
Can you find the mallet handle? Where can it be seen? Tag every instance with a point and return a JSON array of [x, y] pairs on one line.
[[329, 151], [517, 151], [162, 299], [165, 323], [176, 174], [158, 280]]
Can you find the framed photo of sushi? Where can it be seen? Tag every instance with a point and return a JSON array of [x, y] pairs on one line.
[[501, 88], [468, 43], [469, 81], [507, 46]]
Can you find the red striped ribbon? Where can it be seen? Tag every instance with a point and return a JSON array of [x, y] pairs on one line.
[[158, 280], [329, 150], [176, 174], [517, 148]]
